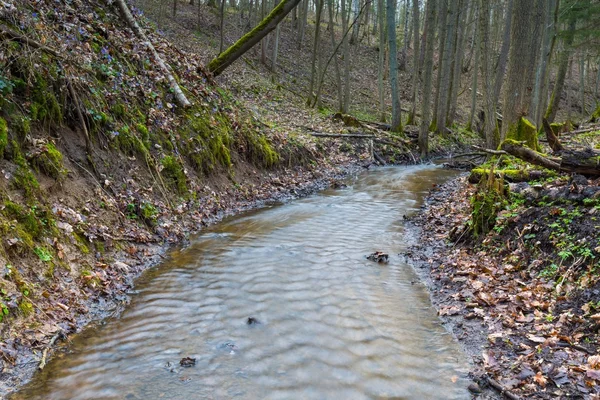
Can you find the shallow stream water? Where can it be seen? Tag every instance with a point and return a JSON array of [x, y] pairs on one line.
[[332, 325]]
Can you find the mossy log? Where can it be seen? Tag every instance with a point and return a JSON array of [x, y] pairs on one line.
[[595, 117], [585, 162], [246, 42], [509, 175], [553, 141]]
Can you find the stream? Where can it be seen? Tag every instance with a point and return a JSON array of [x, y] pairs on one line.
[[330, 323]]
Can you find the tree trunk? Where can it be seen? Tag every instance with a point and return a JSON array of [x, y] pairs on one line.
[[129, 18], [428, 69], [475, 76], [461, 27], [246, 42], [503, 57], [338, 74], [346, 51], [381, 64], [402, 65], [563, 65], [541, 76], [275, 48], [315, 52], [445, 70], [303, 22], [442, 18], [416, 70], [518, 93], [393, 57], [222, 33], [490, 127]]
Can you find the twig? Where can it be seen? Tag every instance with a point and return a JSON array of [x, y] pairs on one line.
[[343, 135], [59, 334], [489, 151], [503, 391]]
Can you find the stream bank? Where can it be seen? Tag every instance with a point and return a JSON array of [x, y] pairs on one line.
[[522, 307]]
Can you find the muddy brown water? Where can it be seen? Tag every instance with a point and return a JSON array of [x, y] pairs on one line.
[[333, 325]]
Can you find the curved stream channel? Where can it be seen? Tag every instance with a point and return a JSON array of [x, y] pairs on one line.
[[333, 325]]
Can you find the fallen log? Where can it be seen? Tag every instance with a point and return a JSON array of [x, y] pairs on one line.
[[342, 135], [511, 175], [584, 162], [137, 30]]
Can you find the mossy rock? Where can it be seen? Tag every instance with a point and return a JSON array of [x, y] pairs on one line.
[[524, 131]]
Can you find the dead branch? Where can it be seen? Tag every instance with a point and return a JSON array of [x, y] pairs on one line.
[[9, 34], [501, 389], [132, 23], [42, 364], [490, 151], [553, 141]]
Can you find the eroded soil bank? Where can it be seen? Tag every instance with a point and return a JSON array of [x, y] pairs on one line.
[[523, 299]]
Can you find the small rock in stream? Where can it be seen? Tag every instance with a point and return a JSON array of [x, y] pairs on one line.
[[474, 388], [187, 362], [252, 321], [379, 257]]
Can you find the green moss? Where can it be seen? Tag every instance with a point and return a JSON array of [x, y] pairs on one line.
[[50, 162], [44, 107], [207, 140], [81, 243], [486, 202], [25, 307], [524, 131], [23, 178], [595, 115], [173, 173], [3, 137], [128, 142], [217, 65], [261, 151], [118, 109]]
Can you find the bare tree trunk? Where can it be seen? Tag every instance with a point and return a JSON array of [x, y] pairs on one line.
[[428, 69], [475, 75], [391, 23], [503, 57], [402, 65], [381, 64], [445, 70], [582, 82], [346, 51], [222, 33], [461, 27], [541, 76], [303, 22], [563, 64], [518, 93], [246, 42], [275, 48], [490, 126], [442, 18], [416, 70], [129, 18], [338, 75], [315, 52]]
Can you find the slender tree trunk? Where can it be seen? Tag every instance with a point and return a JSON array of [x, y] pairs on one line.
[[475, 76], [489, 106], [544, 59], [315, 52], [393, 56], [416, 72], [563, 65], [381, 64], [246, 42], [442, 18], [503, 57], [461, 20], [402, 65], [275, 48], [174, 8], [428, 70], [338, 75], [445, 70], [582, 83], [303, 22], [222, 33], [347, 62]]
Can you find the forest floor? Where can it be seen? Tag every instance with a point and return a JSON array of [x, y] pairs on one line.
[[523, 299]]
